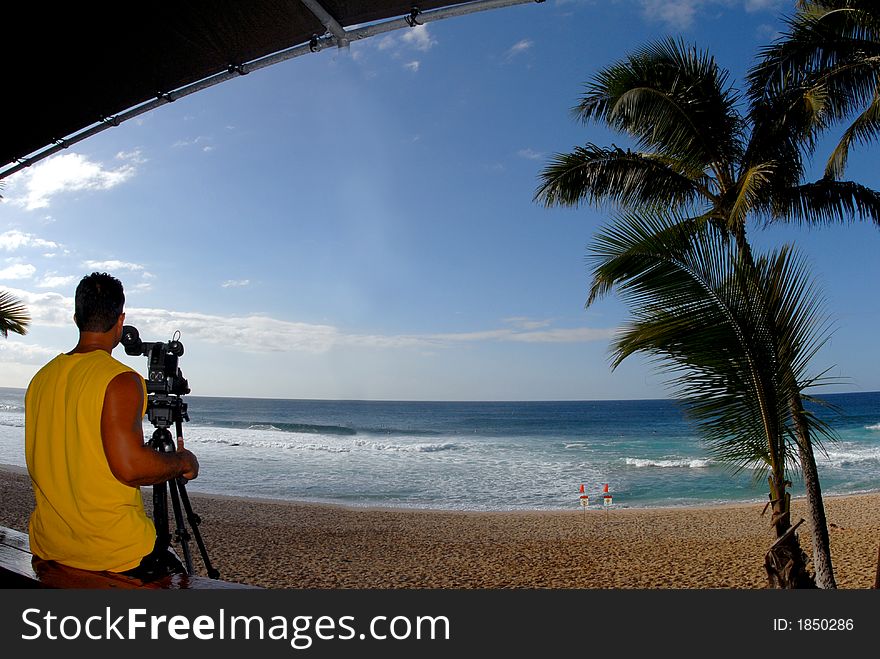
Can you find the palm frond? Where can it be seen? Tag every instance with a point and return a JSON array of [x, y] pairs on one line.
[[597, 175], [865, 129], [785, 127], [671, 99], [14, 316], [728, 333], [818, 38], [747, 194], [627, 250], [827, 202]]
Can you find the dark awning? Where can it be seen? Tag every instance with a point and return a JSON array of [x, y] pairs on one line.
[[69, 66]]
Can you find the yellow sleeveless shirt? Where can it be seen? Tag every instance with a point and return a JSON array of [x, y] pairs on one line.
[[84, 517]]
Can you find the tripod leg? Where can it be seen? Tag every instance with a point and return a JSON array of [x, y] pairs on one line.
[[160, 515], [180, 531], [194, 521]]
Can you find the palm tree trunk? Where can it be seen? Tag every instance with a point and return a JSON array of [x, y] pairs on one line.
[[818, 522], [785, 562]]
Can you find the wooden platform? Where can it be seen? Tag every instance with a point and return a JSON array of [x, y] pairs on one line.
[[20, 569]]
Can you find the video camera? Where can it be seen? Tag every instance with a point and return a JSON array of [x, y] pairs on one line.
[[165, 381], [163, 374]]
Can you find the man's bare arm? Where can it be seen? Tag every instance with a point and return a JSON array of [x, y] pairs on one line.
[[131, 462]]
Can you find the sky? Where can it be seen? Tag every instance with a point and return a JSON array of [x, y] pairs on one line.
[[360, 224]]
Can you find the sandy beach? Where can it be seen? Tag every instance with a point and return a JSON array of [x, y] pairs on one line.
[[294, 545]]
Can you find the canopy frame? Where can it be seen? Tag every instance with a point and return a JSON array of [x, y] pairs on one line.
[[335, 35]]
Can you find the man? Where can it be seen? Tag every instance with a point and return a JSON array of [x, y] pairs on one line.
[[85, 451]]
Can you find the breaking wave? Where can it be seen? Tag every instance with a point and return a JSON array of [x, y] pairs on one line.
[[687, 463]]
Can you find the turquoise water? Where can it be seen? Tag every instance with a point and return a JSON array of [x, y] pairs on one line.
[[478, 456]]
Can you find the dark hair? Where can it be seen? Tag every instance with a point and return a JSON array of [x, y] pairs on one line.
[[98, 303]]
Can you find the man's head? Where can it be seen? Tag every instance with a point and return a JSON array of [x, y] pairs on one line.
[[99, 302]]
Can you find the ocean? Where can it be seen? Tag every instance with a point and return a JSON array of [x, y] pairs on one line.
[[478, 456]]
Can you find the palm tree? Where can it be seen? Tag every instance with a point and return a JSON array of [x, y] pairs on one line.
[[13, 315], [698, 155], [732, 334], [830, 58]]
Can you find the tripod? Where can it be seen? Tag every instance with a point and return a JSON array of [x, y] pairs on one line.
[[163, 410]]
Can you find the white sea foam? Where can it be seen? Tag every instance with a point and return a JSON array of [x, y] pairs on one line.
[[689, 463], [404, 448], [846, 454], [876, 426], [265, 438]]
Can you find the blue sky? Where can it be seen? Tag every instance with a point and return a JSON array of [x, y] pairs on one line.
[[360, 225]]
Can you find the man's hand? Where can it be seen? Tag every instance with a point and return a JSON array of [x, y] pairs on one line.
[[190, 462]]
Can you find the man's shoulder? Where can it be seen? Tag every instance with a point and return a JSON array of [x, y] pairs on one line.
[[125, 382], [122, 375], [45, 370], [109, 362]]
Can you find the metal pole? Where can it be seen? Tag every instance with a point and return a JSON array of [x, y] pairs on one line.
[[328, 21]]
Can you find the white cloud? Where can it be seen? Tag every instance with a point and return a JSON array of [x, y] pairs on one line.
[[69, 172], [767, 32], [386, 42], [46, 309], [530, 154], [518, 48], [674, 13], [763, 5], [526, 323], [23, 353], [236, 283], [51, 280], [255, 333], [262, 333], [195, 141], [412, 66], [573, 335], [680, 14], [108, 266], [18, 271], [13, 240], [135, 156], [419, 38]]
